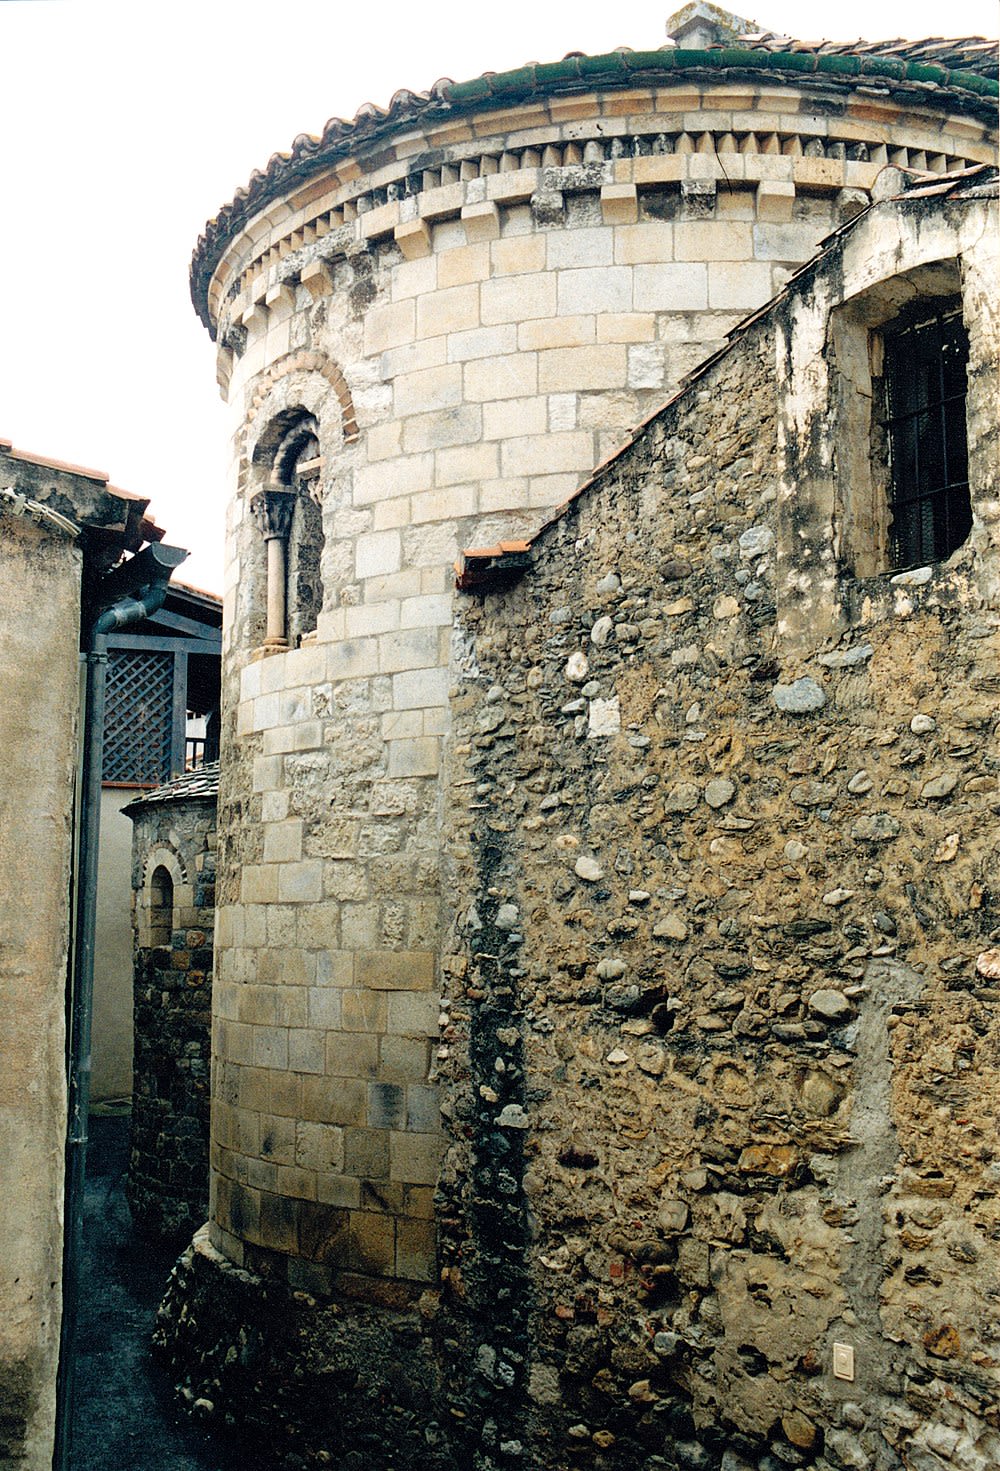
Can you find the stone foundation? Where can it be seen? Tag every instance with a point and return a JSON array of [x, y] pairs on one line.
[[305, 1382]]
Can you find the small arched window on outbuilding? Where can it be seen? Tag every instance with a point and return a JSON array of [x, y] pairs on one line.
[[291, 520], [161, 907]]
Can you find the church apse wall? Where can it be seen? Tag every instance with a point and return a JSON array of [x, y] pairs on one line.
[[426, 348], [716, 1051], [173, 891]]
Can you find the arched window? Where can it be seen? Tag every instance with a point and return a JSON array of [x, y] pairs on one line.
[[291, 521], [297, 466], [161, 907]]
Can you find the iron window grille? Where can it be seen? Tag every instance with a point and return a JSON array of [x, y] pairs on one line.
[[925, 367]]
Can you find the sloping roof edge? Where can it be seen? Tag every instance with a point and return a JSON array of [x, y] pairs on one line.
[[200, 785], [137, 526], [486, 569]]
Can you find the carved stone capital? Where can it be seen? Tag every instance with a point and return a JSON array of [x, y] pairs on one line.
[[272, 510]]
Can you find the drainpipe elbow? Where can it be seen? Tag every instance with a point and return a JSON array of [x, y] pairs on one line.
[[131, 609]]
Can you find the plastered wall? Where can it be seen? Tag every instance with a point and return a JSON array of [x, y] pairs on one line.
[[39, 609]]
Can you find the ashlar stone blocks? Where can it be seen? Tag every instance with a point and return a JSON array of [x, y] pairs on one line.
[[492, 333]]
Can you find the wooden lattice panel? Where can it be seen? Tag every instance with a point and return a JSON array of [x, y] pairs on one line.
[[139, 716]]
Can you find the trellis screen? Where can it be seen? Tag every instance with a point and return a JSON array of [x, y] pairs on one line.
[[138, 721]]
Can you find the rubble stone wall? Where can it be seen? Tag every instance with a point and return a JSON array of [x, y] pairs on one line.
[[723, 998], [168, 1162]]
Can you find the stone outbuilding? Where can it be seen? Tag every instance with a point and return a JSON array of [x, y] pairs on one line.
[[173, 909], [723, 842], [162, 719], [508, 860]]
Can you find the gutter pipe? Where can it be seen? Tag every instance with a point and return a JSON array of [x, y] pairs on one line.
[[126, 610]]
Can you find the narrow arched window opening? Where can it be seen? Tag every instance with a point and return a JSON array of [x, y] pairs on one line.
[[161, 907], [291, 522]]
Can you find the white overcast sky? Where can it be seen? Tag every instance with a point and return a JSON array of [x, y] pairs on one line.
[[125, 124]]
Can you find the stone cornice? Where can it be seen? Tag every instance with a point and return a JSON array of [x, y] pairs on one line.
[[903, 66]]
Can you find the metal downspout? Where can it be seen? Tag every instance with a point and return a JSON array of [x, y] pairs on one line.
[[128, 609]]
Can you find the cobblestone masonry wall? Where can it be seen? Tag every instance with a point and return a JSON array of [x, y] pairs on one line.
[[727, 994], [474, 319], [168, 1162]]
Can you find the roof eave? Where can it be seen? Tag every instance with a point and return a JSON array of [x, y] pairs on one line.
[[575, 73]]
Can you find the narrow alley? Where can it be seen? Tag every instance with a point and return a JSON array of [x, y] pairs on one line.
[[124, 1418]]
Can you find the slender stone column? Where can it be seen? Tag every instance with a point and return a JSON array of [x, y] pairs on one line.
[[273, 512]]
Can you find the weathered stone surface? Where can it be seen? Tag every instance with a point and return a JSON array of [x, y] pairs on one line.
[[673, 1215], [756, 541], [576, 667], [508, 917], [682, 797], [671, 927], [799, 1429], [939, 786], [878, 827], [846, 658], [485, 363], [800, 697], [604, 717], [832, 1005], [719, 791], [172, 836]]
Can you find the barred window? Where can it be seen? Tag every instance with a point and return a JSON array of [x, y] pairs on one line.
[[925, 367]]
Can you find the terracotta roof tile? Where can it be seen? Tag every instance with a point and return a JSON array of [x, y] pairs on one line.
[[963, 69], [201, 592], [193, 785], [137, 526], [49, 464]]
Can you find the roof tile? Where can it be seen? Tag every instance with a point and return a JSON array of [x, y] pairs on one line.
[[964, 67]]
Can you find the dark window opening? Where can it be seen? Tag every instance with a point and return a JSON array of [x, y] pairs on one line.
[[291, 448], [201, 737], [925, 368], [161, 907]]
